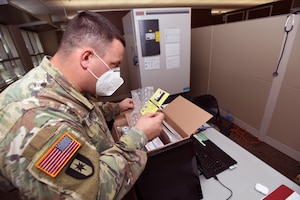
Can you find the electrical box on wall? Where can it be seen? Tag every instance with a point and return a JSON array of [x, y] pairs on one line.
[[158, 46]]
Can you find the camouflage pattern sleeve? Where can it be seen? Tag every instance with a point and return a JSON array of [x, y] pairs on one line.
[[41, 109], [121, 165], [109, 110]]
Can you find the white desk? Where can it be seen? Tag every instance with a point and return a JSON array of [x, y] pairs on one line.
[[241, 180]]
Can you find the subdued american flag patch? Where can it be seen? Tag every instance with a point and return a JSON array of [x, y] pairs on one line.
[[58, 155]]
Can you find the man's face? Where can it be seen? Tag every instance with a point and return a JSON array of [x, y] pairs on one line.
[[114, 54], [99, 65]]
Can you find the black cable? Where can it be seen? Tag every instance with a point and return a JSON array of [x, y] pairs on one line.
[[286, 37], [276, 72], [231, 193]]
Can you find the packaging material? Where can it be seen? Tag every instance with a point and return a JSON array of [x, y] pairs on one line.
[[121, 125], [169, 134], [184, 116], [182, 119], [140, 97], [154, 144]]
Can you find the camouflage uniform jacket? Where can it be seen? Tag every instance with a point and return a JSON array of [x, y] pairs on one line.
[[43, 114]]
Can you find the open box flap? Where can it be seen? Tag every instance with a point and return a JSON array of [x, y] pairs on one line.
[[184, 116]]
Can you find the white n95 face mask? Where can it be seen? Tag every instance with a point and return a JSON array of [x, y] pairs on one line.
[[108, 82]]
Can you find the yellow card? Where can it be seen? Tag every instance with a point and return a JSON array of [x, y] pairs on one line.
[[155, 102]]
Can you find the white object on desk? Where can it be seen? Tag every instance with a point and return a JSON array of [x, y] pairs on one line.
[[294, 196], [243, 178], [261, 188]]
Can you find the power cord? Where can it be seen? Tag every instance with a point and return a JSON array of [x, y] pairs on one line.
[[231, 193], [243, 135]]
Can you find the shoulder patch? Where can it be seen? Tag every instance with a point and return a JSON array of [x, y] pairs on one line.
[[81, 167], [53, 161]]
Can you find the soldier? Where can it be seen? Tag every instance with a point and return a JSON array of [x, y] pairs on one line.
[[54, 140]]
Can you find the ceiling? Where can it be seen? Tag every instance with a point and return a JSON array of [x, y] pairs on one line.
[[53, 12]]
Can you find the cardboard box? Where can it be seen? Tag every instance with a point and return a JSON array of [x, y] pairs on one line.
[[120, 121], [184, 116], [181, 114]]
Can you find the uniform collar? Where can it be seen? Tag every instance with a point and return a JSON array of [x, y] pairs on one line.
[[63, 82]]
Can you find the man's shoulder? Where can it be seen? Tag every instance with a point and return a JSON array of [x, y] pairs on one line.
[[23, 87]]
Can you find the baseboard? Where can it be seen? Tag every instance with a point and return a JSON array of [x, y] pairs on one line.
[[270, 141], [283, 148]]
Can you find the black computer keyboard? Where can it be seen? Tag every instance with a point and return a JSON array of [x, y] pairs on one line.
[[208, 165], [211, 159]]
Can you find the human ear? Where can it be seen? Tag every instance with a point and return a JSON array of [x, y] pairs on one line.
[[85, 60]]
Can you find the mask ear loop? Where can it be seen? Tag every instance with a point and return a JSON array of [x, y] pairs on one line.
[[106, 65], [286, 37], [92, 73]]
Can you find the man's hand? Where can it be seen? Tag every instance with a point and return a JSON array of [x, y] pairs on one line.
[[151, 124], [126, 104]]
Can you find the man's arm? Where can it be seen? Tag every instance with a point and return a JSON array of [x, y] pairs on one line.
[[110, 110]]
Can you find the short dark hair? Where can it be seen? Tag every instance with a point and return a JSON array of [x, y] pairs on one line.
[[90, 29]]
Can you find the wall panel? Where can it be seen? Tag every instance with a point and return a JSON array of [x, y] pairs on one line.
[[285, 121], [239, 62], [200, 59]]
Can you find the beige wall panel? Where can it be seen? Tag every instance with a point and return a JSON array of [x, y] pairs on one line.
[[285, 123], [286, 117], [243, 96], [244, 57], [250, 48], [200, 59]]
